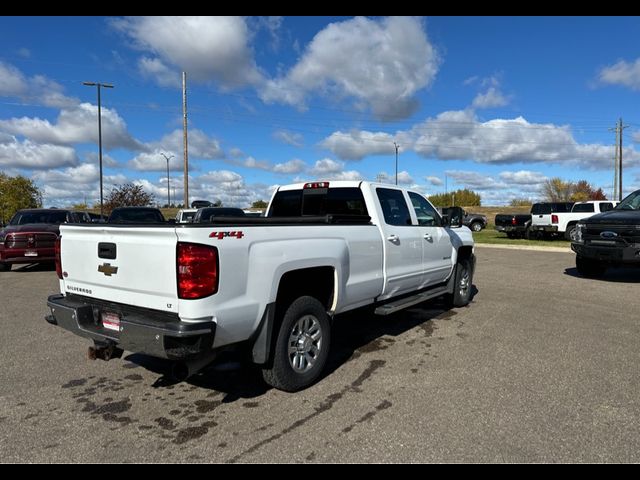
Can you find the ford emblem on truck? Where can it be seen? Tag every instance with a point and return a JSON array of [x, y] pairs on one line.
[[107, 269], [608, 234]]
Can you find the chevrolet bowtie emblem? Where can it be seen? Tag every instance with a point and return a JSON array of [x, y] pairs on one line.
[[107, 269]]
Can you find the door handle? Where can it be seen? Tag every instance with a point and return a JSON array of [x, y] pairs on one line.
[[428, 237], [393, 238]]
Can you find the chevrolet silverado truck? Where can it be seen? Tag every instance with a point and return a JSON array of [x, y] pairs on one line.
[[608, 239], [31, 233], [564, 222], [269, 284]]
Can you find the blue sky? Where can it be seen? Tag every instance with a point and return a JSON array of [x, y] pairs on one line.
[[497, 105]]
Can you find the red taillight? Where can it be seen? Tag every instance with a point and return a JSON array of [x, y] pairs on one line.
[[56, 249], [513, 220], [554, 218], [197, 270]]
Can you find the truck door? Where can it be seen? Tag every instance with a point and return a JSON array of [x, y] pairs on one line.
[[437, 250], [402, 244]]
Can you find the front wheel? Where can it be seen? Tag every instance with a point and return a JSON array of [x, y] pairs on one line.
[[5, 267], [476, 226], [302, 346], [461, 295]]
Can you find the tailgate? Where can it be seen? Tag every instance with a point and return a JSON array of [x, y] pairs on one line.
[[130, 265]]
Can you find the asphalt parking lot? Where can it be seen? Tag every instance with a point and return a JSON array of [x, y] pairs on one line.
[[541, 367]]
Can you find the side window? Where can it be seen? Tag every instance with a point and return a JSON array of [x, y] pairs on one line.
[[394, 207], [606, 206], [427, 215]]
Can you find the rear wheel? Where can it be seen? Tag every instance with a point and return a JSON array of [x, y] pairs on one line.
[[570, 232], [302, 346]]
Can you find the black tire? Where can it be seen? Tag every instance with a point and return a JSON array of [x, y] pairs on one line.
[[463, 281], [569, 232], [590, 268], [5, 267], [476, 226], [302, 346]]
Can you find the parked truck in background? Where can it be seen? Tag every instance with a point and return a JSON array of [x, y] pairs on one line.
[[515, 225], [608, 239], [269, 284], [552, 219], [30, 235]]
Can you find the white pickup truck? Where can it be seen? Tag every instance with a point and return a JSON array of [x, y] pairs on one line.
[[270, 284], [562, 218]]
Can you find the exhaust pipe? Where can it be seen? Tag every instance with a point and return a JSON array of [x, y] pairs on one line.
[[181, 371]]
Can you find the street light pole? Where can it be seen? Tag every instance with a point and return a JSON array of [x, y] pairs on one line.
[[99, 85], [397, 146], [168, 194]]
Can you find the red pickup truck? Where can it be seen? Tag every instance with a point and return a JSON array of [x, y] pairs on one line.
[[30, 235]]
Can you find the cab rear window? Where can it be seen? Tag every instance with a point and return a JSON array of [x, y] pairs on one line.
[[331, 201]]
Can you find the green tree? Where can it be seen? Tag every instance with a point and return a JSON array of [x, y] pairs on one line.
[[127, 195], [462, 197], [259, 204], [17, 193]]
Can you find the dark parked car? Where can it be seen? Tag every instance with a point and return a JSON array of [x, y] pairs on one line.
[[475, 221], [203, 215], [136, 215], [30, 235], [201, 204]]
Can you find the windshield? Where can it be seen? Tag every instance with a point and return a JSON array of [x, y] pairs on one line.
[[48, 217], [632, 202]]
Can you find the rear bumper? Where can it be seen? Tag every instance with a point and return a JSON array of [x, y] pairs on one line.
[[26, 255], [510, 228], [545, 228], [151, 332]]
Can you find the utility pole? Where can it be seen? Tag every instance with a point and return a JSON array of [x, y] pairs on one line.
[[99, 85], [617, 181], [615, 165], [168, 193], [184, 133], [396, 145]]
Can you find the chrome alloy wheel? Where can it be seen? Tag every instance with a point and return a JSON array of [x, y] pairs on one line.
[[465, 284], [305, 343]]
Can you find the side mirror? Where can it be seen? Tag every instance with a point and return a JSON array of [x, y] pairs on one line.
[[454, 215]]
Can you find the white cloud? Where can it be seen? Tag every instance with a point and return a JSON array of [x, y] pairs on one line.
[[327, 166], [37, 89], [208, 48], [156, 70], [290, 138], [622, 73], [75, 125], [357, 144], [201, 146], [291, 167], [474, 180], [435, 181], [492, 98], [27, 154], [523, 177], [380, 63]]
